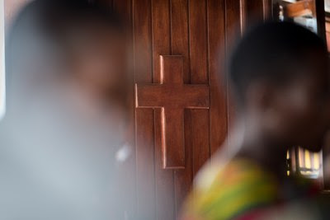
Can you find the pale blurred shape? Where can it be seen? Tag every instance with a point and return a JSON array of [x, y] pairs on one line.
[[2, 62], [123, 153]]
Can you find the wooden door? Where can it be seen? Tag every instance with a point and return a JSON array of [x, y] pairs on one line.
[[181, 111]]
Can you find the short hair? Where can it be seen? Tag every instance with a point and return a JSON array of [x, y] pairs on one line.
[[272, 51]]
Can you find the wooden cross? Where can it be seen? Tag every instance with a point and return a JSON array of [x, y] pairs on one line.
[[173, 97]]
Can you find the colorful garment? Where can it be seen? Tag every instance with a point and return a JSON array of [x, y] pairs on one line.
[[240, 190]]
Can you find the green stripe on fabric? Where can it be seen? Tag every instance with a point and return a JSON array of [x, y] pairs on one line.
[[234, 200], [227, 211], [230, 186]]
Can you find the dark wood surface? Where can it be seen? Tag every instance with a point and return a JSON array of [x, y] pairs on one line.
[[190, 96], [173, 97]]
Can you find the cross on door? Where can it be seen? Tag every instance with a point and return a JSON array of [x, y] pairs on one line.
[[173, 97]]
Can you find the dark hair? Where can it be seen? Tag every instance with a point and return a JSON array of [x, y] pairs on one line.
[[272, 51]]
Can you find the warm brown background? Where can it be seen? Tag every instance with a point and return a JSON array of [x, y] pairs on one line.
[[202, 32]]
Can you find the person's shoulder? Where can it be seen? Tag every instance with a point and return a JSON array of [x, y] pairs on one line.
[[231, 190]]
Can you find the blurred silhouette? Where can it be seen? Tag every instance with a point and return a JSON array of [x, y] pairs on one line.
[[279, 73], [62, 139]]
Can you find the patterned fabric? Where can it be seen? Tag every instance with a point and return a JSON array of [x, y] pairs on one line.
[[238, 191]]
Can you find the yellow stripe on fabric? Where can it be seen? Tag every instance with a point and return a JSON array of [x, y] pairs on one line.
[[231, 189], [235, 171], [231, 194], [239, 186], [256, 198]]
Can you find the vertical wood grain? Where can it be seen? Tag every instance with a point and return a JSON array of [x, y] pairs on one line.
[[145, 164], [200, 144], [164, 178], [218, 79], [144, 118], [173, 118], [233, 28], [179, 34], [161, 46], [202, 32], [198, 41], [180, 45], [199, 74], [197, 145], [161, 34], [142, 32], [254, 11], [268, 9]]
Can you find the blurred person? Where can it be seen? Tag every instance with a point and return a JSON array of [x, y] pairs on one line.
[[62, 141], [279, 73]]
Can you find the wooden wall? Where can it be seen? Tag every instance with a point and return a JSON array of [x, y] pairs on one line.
[[202, 32]]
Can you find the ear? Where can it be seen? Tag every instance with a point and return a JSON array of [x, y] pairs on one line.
[[260, 96]]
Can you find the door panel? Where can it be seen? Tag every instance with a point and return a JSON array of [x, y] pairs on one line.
[[200, 32]]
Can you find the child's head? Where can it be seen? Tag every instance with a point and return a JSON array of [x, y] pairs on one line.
[[280, 75], [61, 41]]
